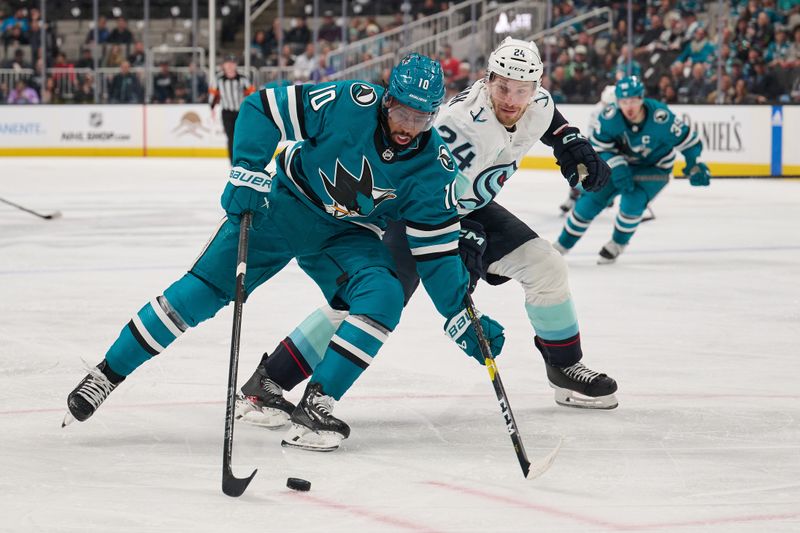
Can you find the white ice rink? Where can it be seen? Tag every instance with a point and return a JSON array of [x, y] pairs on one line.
[[699, 322]]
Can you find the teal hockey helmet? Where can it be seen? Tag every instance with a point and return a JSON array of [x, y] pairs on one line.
[[417, 82], [629, 87]]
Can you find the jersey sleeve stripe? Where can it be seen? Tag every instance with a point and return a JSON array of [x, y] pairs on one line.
[[691, 140], [300, 115], [291, 105], [434, 256], [265, 105], [600, 144], [432, 227], [435, 248], [276, 113], [414, 232], [616, 161]]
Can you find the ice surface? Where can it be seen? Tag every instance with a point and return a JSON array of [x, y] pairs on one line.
[[699, 322]]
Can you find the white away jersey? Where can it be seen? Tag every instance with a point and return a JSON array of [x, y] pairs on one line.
[[486, 152]]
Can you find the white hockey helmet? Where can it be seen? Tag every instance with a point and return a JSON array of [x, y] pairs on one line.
[[517, 60]]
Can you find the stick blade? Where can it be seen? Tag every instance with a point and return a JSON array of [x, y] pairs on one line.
[[233, 486], [539, 467], [53, 215]]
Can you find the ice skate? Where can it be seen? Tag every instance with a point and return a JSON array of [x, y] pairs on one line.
[[578, 386], [313, 426], [260, 402], [84, 400], [648, 215], [609, 252], [569, 203]]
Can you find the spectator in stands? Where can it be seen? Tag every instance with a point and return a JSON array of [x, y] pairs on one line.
[[777, 54], [3, 91], [765, 84], [429, 8], [115, 57], [742, 95], [86, 60], [357, 29], [462, 79], [305, 63], [85, 92], [202, 83], [794, 49], [102, 32], [19, 19], [726, 90], [22, 94], [699, 49], [272, 37], [299, 36], [765, 33], [15, 37], [163, 85], [259, 49], [121, 34], [397, 21], [578, 60], [138, 57], [586, 47], [650, 38], [448, 62], [64, 74], [622, 63], [35, 38], [17, 62], [329, 30], [695, 89], [125, 87], [286, 59], [322, 69], [580, 88], [557, 80]]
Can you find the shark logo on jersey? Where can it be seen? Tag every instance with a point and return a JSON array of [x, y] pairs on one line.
[[641, 150], [363, 94], [476, 116], [445, 159], [660, 116], [486, 186], [353, 197]]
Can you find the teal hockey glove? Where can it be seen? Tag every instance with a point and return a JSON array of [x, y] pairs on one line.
[[622, 177], [459, 328], [246, 191], [698, 174]]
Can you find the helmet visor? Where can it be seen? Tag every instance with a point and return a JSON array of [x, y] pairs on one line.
[[510, 91], [410, 119]]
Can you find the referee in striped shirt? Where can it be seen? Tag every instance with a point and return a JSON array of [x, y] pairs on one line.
[[231, 88]]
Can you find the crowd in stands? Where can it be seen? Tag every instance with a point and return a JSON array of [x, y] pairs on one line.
[[675, 51]]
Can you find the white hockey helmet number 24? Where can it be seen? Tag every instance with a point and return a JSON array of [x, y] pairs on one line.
[[517, 60]]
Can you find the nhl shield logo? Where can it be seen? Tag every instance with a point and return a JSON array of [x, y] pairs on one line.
[[363, 94], [387, 154], [95, 119]]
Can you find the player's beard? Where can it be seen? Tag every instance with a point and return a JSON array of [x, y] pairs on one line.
[[506, 115]]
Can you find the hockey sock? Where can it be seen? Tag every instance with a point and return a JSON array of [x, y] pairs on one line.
[[349, 353], [556, 325], [574, 228], [624, 227], [561, 353]]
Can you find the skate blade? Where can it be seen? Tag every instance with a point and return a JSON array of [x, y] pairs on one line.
[[68, 419], [603, 261], [302, 438], [266, 418], [568, 398]]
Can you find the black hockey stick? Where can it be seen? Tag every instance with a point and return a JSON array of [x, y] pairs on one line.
[[232, 485], [529, 470], [49, 216]]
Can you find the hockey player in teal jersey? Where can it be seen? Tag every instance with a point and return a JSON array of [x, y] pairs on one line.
[[638, 138], [364, 156]]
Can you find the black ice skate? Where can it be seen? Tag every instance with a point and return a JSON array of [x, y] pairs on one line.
[[569, 203], [313, 426], [577, 386], [609, 252], [84, 400], [260, 402]]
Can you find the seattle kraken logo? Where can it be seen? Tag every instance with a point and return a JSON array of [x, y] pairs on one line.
[[476, 116], [353, 197], [486, 186]]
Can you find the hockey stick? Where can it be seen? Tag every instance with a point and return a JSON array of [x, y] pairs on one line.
[[49, 216], [232, 485], [529, 470]]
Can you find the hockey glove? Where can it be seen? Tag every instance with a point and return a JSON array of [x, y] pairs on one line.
[[622, 177], [471, 245], [698, 174], [459, 328], [246, 191], [572, 149]]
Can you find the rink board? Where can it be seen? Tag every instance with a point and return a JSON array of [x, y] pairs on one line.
[[738, 140]]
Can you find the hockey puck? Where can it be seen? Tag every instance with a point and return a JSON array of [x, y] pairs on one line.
[[295, 483]]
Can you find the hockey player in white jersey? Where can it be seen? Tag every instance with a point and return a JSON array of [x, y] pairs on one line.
[[489, 128]]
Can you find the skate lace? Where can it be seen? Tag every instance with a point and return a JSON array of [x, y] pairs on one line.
[[579, 372], [324, 404], [97, 388]]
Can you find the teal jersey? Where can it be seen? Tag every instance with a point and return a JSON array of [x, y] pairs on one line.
[[343, 167], [649, 146]]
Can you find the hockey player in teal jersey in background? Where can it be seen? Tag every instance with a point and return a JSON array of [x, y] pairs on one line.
[[364, 156], [638, 138]]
